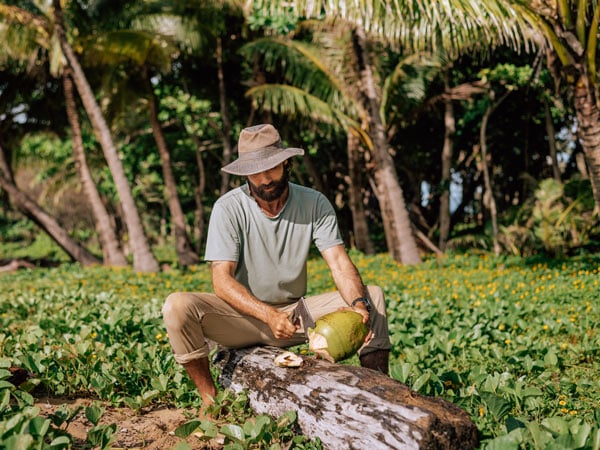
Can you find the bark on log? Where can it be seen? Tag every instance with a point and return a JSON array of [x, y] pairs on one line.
[[347, 407]]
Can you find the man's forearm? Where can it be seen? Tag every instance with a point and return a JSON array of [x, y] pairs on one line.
[[350, 284], [345, 274], [235, 294]]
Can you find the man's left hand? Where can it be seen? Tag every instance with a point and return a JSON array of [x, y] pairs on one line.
[[362, 310]]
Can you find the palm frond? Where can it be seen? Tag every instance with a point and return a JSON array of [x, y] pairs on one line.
[[292, 101], [407, 86], [22, 32], [301, 65], [142, 48], [419, 25]]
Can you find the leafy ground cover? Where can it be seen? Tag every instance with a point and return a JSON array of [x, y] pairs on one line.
[[514, 342]]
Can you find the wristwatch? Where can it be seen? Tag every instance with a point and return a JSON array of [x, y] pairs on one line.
[[365, 301]]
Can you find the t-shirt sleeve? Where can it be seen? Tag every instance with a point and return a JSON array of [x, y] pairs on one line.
[[326, 233], [223, 238]]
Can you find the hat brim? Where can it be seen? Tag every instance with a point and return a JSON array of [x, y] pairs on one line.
[[246, 167]]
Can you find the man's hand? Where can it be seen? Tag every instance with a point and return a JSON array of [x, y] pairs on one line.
[[362, 310], [280, 325]]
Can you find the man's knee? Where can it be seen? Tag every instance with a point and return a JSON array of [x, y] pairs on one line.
[[176, 308]]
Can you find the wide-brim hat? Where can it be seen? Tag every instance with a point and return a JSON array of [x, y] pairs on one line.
[[259, 149]]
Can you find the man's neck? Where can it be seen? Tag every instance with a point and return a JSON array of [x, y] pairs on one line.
[[274, 207]]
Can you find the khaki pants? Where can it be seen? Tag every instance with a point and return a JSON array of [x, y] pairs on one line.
[[192, 318]]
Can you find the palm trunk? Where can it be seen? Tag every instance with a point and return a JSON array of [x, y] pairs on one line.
[[113, 256], [447, 152], [226, 132], [185, 253], [588, 131], [44, 220], [401, 241], [488, 197], [143, 260], [551, 141], [362, 239], [199, 222]]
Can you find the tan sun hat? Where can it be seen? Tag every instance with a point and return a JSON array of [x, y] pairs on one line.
[[259, 149]]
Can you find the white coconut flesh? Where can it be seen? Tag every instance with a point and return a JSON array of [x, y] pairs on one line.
[[288, 359]]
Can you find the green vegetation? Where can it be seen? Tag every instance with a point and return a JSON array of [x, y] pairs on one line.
[[515, 342]]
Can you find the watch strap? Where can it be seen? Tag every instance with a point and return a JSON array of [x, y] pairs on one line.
[[363, 300]]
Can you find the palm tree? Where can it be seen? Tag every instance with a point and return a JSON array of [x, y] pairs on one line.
[[571, 31], [143, 53], [25, 33], [112, 253], [143, 260]]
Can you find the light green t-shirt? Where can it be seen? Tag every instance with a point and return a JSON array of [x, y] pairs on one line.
[[271, 252]]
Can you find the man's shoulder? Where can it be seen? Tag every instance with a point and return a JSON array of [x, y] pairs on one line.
[[234, 196], [304, 191]]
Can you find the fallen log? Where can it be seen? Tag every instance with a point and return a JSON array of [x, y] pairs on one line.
[[347, 407], [15, 265]]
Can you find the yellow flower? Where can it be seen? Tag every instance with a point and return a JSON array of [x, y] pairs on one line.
[[507, 341], [562, 403], [481, 411], [159, 336], [501, 327]]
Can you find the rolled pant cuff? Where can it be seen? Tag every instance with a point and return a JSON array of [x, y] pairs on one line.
[[185, 358]]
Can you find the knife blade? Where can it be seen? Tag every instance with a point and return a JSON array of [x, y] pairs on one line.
[[302, 314]]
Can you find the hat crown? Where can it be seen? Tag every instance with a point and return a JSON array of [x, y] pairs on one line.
[[258, 137], [259, 149]]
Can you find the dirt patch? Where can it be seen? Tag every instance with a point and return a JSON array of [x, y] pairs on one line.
[[149, 430]]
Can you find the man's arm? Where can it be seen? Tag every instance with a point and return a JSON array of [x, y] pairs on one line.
[[346, 277], [235, 294]]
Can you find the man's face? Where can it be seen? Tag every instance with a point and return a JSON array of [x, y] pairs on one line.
[[270, 184]]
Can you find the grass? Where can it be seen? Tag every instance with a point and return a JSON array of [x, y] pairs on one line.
[[514, 342]]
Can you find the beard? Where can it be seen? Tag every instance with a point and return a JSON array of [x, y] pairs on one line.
[[276, 188]]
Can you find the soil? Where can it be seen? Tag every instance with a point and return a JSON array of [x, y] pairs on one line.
[[147, 429]]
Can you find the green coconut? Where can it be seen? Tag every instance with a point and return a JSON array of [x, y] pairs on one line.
[[337, 335]]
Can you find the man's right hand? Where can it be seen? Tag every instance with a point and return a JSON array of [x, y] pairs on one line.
[[280, 325]]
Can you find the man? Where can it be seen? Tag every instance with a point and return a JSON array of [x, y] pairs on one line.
[[258, 242]]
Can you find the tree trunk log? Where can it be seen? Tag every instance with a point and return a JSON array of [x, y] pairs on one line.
[[346, 406]]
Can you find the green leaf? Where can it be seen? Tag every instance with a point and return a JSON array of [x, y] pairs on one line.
[[254, 427], [209, 428], [498, 406], [556, 425], [187, 428], [61, 442], [93, 413], [421, 381], [38, 426], [540, 438], [102, 435], [580, 432], [551, 359], [233, 431]]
